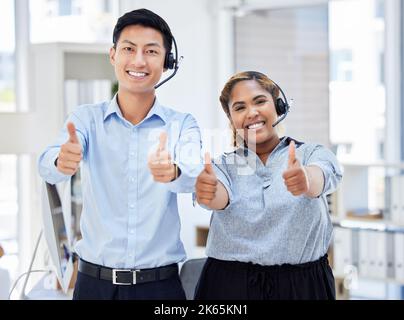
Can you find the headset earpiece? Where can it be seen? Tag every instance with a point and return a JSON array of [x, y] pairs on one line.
[[280, 107], [169, 61]]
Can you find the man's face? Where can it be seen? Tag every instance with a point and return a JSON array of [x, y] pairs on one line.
[[252, 112], [138, 59]]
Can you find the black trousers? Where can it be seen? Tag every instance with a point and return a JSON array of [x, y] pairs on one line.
[[233, 280], [89, 288]]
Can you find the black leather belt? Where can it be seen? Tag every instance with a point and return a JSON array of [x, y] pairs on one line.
[[128, 276]]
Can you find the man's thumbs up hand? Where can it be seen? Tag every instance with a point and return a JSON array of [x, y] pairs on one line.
[[72, 133], [206, 183], [160, 164], [70, 154], [295, 176], [162, 143]]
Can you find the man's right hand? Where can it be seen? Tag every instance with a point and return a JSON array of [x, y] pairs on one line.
[[70, 154], [206, 183]]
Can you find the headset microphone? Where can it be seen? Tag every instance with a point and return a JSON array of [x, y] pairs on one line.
[[171, 62], [284, 115], [279, 120]]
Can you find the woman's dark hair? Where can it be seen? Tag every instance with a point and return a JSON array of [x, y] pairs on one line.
[[259, 77], [145, 18]]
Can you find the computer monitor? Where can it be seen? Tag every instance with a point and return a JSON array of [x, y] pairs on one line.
[[56, 204]]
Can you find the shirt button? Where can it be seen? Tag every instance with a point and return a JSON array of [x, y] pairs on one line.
[[131, 256], [132, 179], [131, 206], [132, 154], [131, 231]]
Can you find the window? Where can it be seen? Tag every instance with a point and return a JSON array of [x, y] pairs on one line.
[[58, 8], [341, 65], [382, 68], [72, 20], [379, 9], [107, 6], [7, 57], [65, 7], [356, 41], [358, 119]]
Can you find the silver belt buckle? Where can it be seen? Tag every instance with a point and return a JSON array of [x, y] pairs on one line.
[[134, 276], [114, 276]]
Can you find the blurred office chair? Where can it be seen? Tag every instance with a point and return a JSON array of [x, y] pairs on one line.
[[189, 275], [5, 281]]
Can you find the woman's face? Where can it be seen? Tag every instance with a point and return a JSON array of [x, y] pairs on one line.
[[252, 112]]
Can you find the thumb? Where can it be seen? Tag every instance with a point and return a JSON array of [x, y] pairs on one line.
[[292, 154], [208, 164], [162, 143], [72, 133]]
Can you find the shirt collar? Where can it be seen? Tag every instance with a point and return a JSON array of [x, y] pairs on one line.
[[113, 108], [244, 150], [157, 109]]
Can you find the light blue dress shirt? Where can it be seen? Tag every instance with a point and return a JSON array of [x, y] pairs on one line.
[[128, 220]]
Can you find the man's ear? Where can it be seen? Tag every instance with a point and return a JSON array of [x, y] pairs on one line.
[[112, 52]]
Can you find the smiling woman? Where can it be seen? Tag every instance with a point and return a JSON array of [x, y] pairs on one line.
[[248, 99], [264, 220]]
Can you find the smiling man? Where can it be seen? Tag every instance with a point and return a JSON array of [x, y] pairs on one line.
[[131, 153]]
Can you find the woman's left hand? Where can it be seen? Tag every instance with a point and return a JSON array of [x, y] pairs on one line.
[[295, 176]]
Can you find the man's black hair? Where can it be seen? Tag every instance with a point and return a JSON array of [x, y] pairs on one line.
[[145, 18]]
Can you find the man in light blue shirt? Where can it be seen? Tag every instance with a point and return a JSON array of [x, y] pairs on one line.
[[135, 156]]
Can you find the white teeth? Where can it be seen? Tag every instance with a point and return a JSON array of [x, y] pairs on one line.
[[137, 74], [256, 125]]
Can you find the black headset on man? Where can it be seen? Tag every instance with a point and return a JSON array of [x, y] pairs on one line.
[[171, 62]]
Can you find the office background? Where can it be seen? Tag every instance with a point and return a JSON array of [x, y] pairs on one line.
[[341, 61]]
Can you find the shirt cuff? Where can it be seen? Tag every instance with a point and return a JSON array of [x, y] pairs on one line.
[[48, 170], [229, 193], [325, 177], [185, 183]]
